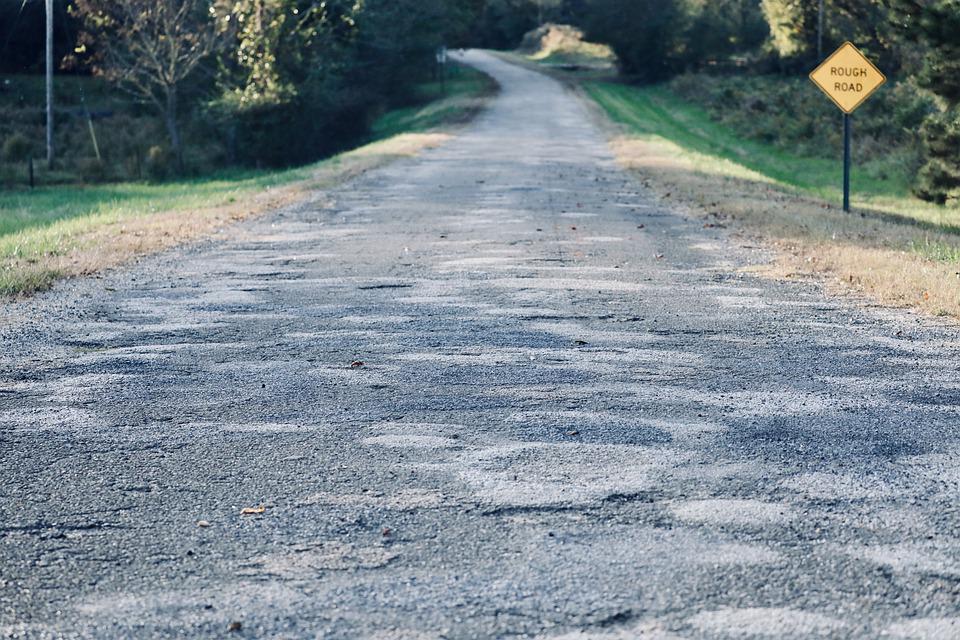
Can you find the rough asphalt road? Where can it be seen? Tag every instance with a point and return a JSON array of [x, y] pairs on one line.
[[566, 425]]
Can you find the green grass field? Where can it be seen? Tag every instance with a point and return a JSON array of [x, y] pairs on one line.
[[22, 208], [47, 221], [655, 112]]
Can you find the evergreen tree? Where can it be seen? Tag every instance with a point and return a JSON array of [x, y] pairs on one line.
[[935, 26]]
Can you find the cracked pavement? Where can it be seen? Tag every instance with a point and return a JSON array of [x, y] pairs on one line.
[[576, 417]]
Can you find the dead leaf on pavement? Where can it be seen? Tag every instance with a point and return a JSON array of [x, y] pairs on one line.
[[253, 511], [356, 364]]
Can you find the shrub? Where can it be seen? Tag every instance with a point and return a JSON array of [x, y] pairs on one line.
[[939, 180], [644, 34], [91, 170], [17, 148], [158, 163]]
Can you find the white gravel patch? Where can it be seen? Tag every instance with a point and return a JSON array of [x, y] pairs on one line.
[[836, 486], [412, 442], [772, 622], [747, 513], [562, 474], [403, 500], [926, 629], [908, 557]]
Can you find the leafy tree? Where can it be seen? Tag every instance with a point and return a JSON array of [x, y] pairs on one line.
[[646, 35], [655, 39], [793, 25], [503, 23], [273, 44], [148, 47], [935, 25], [722, 28], [281, 77], [300, 79]]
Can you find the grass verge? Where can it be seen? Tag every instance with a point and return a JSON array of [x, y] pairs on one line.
[[57, 232], [894, 248]]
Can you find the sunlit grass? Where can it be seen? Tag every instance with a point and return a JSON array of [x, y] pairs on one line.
[[900, 251], [441, 102], [57, 231], [657, 113]]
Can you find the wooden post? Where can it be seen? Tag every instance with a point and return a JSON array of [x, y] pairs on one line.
[[49, 5], [820, 32]]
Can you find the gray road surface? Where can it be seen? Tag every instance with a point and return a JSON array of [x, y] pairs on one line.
[[566, 425]]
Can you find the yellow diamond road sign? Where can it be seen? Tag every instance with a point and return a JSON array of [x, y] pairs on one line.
[[847, 77]]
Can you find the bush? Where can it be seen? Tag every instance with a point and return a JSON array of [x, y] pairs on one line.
[[91, 170], [17, 148], [646, 35], [939, 179], [158, 163]]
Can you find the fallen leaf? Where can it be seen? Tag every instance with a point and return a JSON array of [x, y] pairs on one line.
[[659, 256], [253, 511], [356, 364], [203, 524], [235, 626], [926, 295], [573, 433]]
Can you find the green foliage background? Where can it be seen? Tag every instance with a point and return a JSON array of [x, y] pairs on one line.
[[297, 80]]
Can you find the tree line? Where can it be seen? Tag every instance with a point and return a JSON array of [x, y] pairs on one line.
[[283, 81], [287, 81]]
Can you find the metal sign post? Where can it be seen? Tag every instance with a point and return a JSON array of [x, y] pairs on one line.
[[848, 78], [846, 162]]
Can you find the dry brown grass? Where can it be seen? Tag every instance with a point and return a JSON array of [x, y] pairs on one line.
[[863, 253], [93, 243]]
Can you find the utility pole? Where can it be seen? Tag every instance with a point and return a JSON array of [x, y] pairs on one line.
[[49, 4], [820, 33]]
